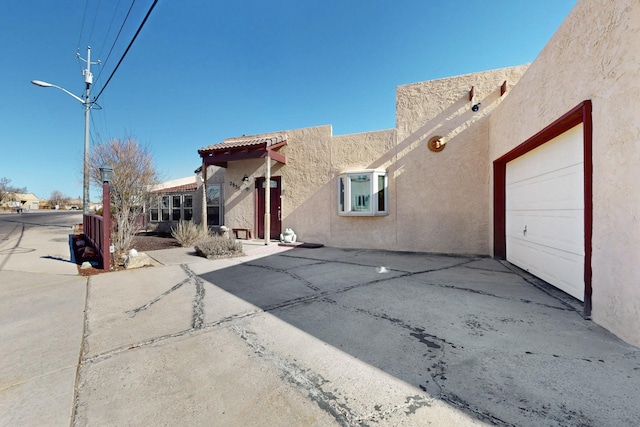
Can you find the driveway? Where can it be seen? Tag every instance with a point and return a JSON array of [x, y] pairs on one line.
[[317, 337]]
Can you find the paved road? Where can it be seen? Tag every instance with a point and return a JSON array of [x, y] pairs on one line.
[[47, 239]]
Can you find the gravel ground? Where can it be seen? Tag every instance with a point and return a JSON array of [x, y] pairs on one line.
[[152, 241], [142, 242]]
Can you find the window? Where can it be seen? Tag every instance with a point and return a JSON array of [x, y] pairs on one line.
[[176, 203], [213, 204], [188, 207], [172, 207], [363, 193], [165, 208], [153, 209]]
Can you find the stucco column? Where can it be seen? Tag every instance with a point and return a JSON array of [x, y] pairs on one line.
[[203, 220]]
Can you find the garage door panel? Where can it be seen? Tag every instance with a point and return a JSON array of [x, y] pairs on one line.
[[545, 212], [560, 152], [534, 258], [557, 190], [549, 228]]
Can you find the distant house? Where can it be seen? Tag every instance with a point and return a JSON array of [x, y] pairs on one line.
[[536, 165], [21, 201]]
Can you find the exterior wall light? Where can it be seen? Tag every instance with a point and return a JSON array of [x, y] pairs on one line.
[[436, 144]]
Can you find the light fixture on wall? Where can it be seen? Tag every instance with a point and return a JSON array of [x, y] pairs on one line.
[[475, 107], [436, 144], [245, 178]]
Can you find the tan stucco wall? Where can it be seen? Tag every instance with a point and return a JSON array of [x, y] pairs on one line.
[[438, 202], [305, 181], [443, 197], [363, 151], [593, 55]]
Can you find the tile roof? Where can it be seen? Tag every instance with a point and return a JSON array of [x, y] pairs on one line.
[[247, 141], [178, 188]]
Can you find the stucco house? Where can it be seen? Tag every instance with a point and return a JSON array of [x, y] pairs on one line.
[[535, 164], [170, 202], [21, 201]]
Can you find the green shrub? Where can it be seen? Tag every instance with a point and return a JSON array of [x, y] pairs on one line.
[[187, 233], [219, 247]]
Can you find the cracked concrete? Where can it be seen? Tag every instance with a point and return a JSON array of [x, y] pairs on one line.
[[313, 337], [320, 337]]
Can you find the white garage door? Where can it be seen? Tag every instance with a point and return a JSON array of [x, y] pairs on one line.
[[545, 212]]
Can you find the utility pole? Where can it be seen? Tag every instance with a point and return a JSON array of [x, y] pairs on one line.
[[88, 80]]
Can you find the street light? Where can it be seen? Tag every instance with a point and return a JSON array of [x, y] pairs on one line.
[[88, 79], [45, 84], [105, 174]]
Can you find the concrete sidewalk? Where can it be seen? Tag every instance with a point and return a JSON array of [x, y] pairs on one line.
[[42, 301], [318, 337]]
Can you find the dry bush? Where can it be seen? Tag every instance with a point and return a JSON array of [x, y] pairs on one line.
[[219, 247], [188, 233], [133, 175]]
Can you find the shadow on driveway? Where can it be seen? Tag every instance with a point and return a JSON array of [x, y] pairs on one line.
[[465, 330]]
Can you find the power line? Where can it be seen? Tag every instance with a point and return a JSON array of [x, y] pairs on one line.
[[113, 17], [117, 36], [93, 25], [84, 15], [127, 50]]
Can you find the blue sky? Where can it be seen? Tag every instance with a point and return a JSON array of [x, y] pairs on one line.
[[201, 71]]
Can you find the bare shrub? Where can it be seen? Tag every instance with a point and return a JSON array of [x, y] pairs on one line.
[[219, 247], [188, 233], [133, 175]]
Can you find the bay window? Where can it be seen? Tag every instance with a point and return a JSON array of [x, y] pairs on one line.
[[363, 193]]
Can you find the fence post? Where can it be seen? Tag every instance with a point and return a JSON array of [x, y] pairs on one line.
[[105, 174], [106, 226]]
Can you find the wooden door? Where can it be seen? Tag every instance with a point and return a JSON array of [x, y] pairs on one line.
[[276, 213]]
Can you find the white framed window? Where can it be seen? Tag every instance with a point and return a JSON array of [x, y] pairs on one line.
[[363, 193], [171, 207], [214, 211]]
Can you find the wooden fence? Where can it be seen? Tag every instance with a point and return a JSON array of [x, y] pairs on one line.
[[97, 235]]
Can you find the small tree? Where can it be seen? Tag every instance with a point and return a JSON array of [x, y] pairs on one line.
[[58, 198], [7, 191], [133, 176]]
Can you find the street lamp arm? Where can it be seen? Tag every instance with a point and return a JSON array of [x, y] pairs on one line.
[[88, 79], [45, 84]]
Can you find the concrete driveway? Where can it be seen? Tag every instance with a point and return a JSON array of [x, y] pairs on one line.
[[318, 337]]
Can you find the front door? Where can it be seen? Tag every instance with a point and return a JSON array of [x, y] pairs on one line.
[[276, 214]]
